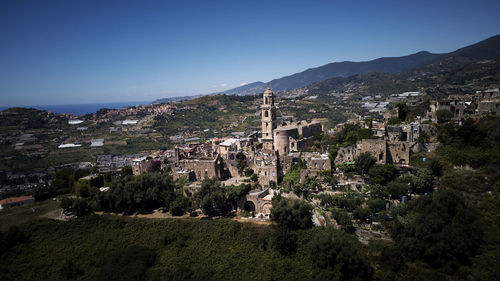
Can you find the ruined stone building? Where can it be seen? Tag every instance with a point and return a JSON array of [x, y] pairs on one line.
[[258, 202], [392, 145], [139, 165], [480, 103], [265, 156]]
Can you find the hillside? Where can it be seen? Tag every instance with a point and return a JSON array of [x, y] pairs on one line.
[[346, 69], [472, 68], [339, 69], [248, 89], [408, 66]]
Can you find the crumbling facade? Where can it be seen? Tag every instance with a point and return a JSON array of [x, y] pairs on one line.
[[393, 146], [225, 158], [481, 103]]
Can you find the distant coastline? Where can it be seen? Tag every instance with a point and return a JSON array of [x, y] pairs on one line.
[[80, 109]]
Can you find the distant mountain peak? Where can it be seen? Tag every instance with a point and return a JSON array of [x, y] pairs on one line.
[[486, 49]]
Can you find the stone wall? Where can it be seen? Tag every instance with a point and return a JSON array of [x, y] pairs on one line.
[[429, 129], [345, 154], [491, 107], [266, 167], [376, 147], [257, 201], [139, 167], [202, 167], [316, 161], [399, 153], [308, 130]]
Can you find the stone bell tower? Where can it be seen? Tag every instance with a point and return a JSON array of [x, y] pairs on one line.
[[268, 121]]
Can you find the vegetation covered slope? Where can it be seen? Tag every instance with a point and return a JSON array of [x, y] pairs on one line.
[[114, 248]]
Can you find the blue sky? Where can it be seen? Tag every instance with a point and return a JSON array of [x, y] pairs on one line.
[[67, 52]]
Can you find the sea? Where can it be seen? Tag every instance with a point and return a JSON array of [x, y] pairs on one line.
[[80, 109]]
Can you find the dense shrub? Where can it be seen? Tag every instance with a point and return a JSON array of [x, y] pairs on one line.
[[136, 194], [382, 173], [337, 256], [376, 205], [441, 230], [291, 214], [343, 219], [128, 264], [362, 214]]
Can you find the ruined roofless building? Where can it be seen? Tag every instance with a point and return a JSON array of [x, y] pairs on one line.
[[268, 121]]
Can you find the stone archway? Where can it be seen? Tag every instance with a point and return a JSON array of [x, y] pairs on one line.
[[266, 208], [249, 206]]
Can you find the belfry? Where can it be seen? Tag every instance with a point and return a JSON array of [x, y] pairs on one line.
[[268, 121]]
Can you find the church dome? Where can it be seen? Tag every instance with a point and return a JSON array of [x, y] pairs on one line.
[[268, 92]]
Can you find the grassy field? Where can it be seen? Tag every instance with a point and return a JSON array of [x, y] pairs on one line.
[[22, 214]]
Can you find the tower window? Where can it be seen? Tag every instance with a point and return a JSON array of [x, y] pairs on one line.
[[265, 100], [266, 113]]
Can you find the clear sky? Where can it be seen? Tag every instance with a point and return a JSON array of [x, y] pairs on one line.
[[65, 52]]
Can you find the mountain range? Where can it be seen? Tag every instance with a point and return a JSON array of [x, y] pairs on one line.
[[488, 49], [468, 69]]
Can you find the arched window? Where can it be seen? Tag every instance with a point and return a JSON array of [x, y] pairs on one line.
[[265, 100], [266, 113]]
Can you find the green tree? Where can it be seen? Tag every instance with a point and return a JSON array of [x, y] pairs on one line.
[[254, 178], [362, 214], [292, 178], [234, 193], [338, 256], [376, 205], [248, 172], [127, 264], [304, 189], [136, 194], [180, 205], [378, 191], [211, 197], [423, 137], [443, 115], [364, 162], [422, 181], [69, 271], [382, 173], [343, 219], [66, 204], [435, 166], [402, 111], [64, 181], [126, 171], [441, 230], [285, 241], [291, 214], [393, 121], [81, 207], [351, 133], [399, 187], [242, 164]]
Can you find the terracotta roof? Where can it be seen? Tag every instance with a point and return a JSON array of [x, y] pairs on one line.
[[12, 200]]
